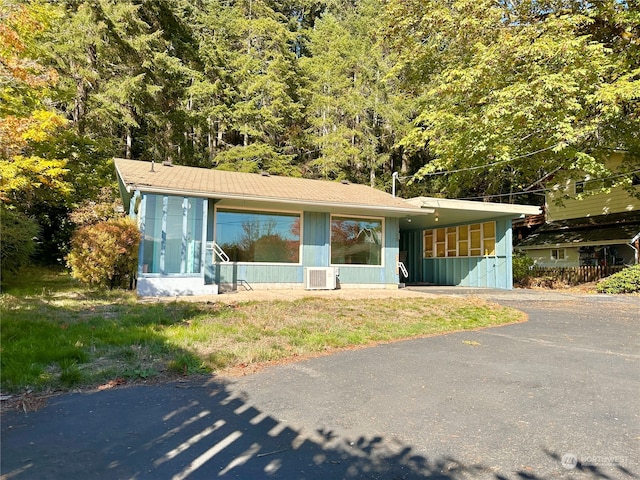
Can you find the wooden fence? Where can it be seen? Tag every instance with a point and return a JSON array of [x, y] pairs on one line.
[[576, 275]]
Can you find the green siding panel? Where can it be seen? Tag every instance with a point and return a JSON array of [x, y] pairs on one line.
[[391, 253], [493, 272]]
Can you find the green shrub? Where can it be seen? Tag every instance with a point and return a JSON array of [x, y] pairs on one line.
[[16, 246], [105, 253], [626, 281], [521, 266]]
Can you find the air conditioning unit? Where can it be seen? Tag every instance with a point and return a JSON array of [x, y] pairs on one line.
[[320, 278]]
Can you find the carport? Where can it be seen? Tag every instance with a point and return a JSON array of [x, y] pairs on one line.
[[462, 243]]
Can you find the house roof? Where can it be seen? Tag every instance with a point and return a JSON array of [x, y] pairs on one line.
[[248, 187], [253, 190], [615, 228]]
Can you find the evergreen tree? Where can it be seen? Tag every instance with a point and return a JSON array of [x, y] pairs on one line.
[[353, 106]]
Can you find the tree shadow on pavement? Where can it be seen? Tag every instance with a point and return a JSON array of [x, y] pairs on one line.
[[193, 429], [199, 428]]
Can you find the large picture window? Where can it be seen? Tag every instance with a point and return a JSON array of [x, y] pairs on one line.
[[254, 236], [356, 241], [465, 241]]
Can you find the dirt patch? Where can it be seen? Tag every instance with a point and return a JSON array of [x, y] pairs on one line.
[[241, 296]]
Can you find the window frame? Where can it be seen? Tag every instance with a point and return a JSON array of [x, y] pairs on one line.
[[557, 258], [382, 221], [471, 243], [291, 213]]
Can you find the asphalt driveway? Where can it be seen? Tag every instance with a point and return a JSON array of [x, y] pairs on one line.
[[555, 397]]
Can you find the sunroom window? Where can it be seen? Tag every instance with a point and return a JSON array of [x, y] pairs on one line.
[[257, 236], [356, 241], [173, 234]]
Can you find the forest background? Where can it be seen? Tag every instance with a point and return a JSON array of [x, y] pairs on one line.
[[477, 99]]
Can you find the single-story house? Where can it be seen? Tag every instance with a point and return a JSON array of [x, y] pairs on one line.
[[205, 230]]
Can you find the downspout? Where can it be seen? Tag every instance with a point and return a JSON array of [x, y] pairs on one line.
[[632, 244]]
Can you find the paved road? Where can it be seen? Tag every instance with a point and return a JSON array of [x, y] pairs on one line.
[[555, 397]]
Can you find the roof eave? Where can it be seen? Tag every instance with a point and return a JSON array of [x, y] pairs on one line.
[[399, 211], [516, 211], [590, 243], [121, 177]]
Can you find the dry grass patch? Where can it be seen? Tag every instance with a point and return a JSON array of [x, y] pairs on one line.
[[67, 337], [271, 331]]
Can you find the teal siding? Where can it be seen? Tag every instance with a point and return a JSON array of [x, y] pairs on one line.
[[391, 247], [491, 271], [468, 272], [411, 243], [235, 273], [315, 238]]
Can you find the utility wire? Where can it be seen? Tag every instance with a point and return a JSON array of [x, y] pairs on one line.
[[547, 189], [477, 167]]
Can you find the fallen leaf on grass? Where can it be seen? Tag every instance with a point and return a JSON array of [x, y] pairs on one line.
[[112, 383]]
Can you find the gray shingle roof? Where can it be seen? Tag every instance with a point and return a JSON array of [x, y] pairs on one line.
[[224, 184], [612, 228]]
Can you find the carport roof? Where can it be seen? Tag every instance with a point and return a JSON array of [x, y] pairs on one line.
[[459, 212]]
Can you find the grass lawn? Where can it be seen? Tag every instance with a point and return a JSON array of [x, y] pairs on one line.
[[57, 335]]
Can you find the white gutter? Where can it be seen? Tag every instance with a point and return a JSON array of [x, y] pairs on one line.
[[500, 208]]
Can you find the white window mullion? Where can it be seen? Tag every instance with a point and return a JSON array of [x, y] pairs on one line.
[[185, 241], [163, 242]]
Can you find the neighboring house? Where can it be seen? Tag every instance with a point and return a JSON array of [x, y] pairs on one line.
[[205, 230], [597, 229]]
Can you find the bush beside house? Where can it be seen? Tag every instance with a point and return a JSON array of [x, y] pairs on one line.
[[521, 265], [106, 253], [626, 281]]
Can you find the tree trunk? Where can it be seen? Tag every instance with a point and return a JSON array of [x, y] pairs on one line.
[[210, 138], [128, 142]]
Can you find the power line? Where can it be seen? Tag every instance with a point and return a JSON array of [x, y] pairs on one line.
[[477, 167], [547, 189]]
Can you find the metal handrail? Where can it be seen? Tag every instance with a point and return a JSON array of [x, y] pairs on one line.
[[220, 253], [403, 269]]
